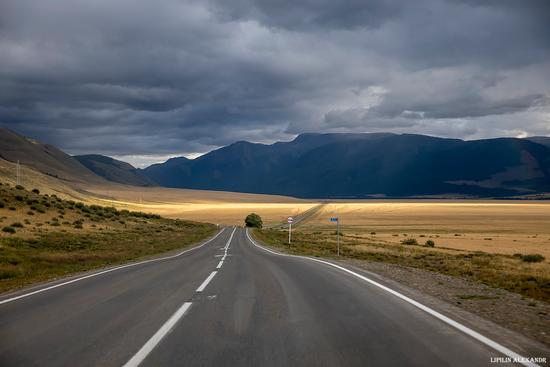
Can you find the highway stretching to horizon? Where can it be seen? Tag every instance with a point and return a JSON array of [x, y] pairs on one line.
[[230, 302]]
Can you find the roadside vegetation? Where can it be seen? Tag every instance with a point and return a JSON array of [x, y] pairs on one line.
[[44, 237], [526, 274], [253, 220]]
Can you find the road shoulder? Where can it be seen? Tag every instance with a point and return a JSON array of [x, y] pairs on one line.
[[399, 278]]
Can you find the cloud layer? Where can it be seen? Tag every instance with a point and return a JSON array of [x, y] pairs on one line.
[[159, 78]]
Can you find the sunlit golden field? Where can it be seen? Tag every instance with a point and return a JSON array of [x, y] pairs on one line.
[[505, 227], [225, 208]]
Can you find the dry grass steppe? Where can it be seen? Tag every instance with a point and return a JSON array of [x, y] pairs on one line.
[[224, 208], [503, 244], [499, 227], [43, 236]]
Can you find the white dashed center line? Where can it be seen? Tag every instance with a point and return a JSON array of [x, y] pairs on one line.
[[172, 321]]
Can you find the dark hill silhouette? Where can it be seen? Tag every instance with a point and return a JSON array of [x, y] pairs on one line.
[[114, 170], [44, 157], [363, 165]]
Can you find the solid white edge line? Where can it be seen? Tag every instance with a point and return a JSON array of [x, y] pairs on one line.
[[206, 281], [158, 336], [466, 330], [107, 271]]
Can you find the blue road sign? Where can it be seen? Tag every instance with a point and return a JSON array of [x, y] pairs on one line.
[[334, 219]]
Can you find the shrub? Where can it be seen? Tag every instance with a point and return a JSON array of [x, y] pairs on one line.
[[19, 187], [410, 242], [36, 191], [373, 233], [78, 226], [532, 258], [11, 208], [2, 205], [19, 197], [253, 220], [17, 225], [30, 212], [429, 243], [8, 229]]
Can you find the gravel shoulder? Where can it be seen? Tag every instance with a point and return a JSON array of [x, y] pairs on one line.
[[520, 323]]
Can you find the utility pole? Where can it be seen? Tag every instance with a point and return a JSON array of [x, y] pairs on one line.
[[18, 173], [337, 220], [290, 220], [338, 236]]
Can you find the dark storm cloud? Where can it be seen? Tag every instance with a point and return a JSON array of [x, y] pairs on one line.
[[170, 77], [309, 14]]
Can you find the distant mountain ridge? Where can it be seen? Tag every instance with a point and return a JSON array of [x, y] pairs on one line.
[[114, 170], [321, 166], [366, 165], [44, 157], [543, 140]]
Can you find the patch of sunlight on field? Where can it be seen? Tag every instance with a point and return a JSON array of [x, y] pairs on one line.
[[225, 208], [234, 213], [505, 227]]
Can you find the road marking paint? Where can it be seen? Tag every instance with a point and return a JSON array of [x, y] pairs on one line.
[[206, 281], [169, 325], [158, 336], [226, 247], [107, 271], [466, 330]]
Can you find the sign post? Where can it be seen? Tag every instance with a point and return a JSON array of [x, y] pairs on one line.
[[337, 220], [290, 220]]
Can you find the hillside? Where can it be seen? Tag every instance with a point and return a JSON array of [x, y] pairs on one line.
[[366, 165], [44, 236], [44, 158], [543, 140], [114, 170]]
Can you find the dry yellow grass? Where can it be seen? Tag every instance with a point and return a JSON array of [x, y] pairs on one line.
[[226, 208], [504, 227], [31, 178]]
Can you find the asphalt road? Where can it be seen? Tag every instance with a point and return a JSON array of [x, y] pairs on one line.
[[257, 309]]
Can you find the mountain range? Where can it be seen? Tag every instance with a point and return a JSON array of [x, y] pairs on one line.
[[367, 165], [323, 166]]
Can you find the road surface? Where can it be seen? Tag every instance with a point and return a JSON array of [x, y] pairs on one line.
[[255, 308], [298, 219]]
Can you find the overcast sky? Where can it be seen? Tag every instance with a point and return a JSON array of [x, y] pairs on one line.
[[147, 80]]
